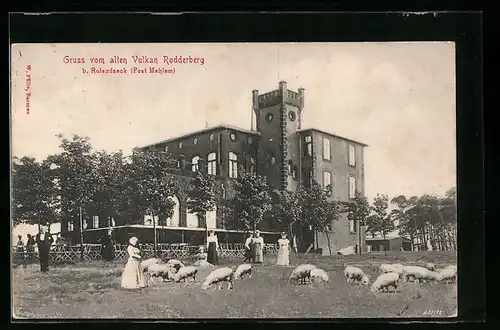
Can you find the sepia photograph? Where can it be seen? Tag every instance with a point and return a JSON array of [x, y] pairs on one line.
[[233, 180]]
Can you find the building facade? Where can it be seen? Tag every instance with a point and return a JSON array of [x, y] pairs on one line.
[[277, 148]]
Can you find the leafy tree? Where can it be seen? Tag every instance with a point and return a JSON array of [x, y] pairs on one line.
[[358, 209], [407, 224], [202, 197], [287, 208], [152, 186], [319, 211], [34, 192], [250, 200], [77, 175], [380, 221]]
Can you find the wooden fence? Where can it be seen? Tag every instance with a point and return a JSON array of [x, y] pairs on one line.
[[71, 254]]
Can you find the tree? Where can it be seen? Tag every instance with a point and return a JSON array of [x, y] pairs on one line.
[[152, 186], [319, 211], [202, 197], [406, 224], [286, 209], [34, 192], [380, 221], [77, 175], [358, 209], [250, 200]]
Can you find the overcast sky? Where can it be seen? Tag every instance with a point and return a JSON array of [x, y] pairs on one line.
[[399, 98]]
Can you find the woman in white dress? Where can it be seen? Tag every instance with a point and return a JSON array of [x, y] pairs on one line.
[[132, 276], [283, 258]]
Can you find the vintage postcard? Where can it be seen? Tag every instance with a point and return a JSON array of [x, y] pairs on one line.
[[234, 180]]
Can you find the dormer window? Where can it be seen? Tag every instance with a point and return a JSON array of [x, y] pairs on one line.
[[232, 136], [180, 145], [195, 141]]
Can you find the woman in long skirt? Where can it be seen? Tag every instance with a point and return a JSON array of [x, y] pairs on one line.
[[258, 244], [249, 248], [108, 246], [283, 258], [132, 276], [212, 247]]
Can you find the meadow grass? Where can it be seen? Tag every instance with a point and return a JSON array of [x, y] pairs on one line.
[[92, 290]]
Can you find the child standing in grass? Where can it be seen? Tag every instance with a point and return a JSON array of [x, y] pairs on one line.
[[133, 277]]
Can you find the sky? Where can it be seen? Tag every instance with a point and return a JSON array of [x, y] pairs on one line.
[[399, 98]]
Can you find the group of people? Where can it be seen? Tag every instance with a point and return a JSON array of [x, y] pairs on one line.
[[43, 241]]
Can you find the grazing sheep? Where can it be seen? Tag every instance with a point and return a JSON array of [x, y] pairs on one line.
[[384, 281], [387, 268], [356, 275], [433, 276], [430, 266], [219, 275], [320, 275], [186, 272], [176, 264], [416, 272], [160, 271], [448, 274], [243, 269], [302, 273], [151, 261]]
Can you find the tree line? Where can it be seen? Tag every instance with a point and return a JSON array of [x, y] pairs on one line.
[[127, 188]]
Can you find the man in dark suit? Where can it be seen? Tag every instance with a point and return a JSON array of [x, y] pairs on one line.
[[44, 241]]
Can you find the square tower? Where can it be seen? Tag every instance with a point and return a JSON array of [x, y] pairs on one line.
[[278, 119]]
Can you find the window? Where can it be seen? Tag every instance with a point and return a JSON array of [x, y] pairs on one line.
[[352, 187], [308, 146], [212, 164], [294, 172], [195, 141], [326, 149], [85, 224], [180, 145], [327, 179], [70, 225], [249, 140], [352, 156], [178, 163], [233, 165], [211, 136], [95, 221], [352, 226], [166, 148], [194, 163], [232, 137], [290, 165], [253, 169]]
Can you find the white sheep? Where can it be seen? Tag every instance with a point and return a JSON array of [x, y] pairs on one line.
[[356, 275], [430, 266], [217, 276], [384, 281], [302, 273], [318, 274], [387, 268], [146, 263], [417, 273], [243, 269], [451, 266], [160, 271], [176, 264], [448, 274], [186, 272]]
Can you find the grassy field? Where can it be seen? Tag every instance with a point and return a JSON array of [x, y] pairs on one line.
[[92, 290]]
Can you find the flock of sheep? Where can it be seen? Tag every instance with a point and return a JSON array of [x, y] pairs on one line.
[[390, 274]]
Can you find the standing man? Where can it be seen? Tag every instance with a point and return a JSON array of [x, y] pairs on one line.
[[44, 241]]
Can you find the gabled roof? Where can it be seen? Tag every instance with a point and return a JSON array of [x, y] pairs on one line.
[[213, 128], [332, 135]]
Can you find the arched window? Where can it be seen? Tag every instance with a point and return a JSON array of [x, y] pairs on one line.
[[191, 219], [173, 221], [233, 165], [212, 219], [212, 163], [194, 163]]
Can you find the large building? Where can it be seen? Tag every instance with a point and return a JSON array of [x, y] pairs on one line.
[[276, 147]]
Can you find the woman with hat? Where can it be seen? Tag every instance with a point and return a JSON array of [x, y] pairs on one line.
[[283, 258], [258, 243], [132, 276]]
